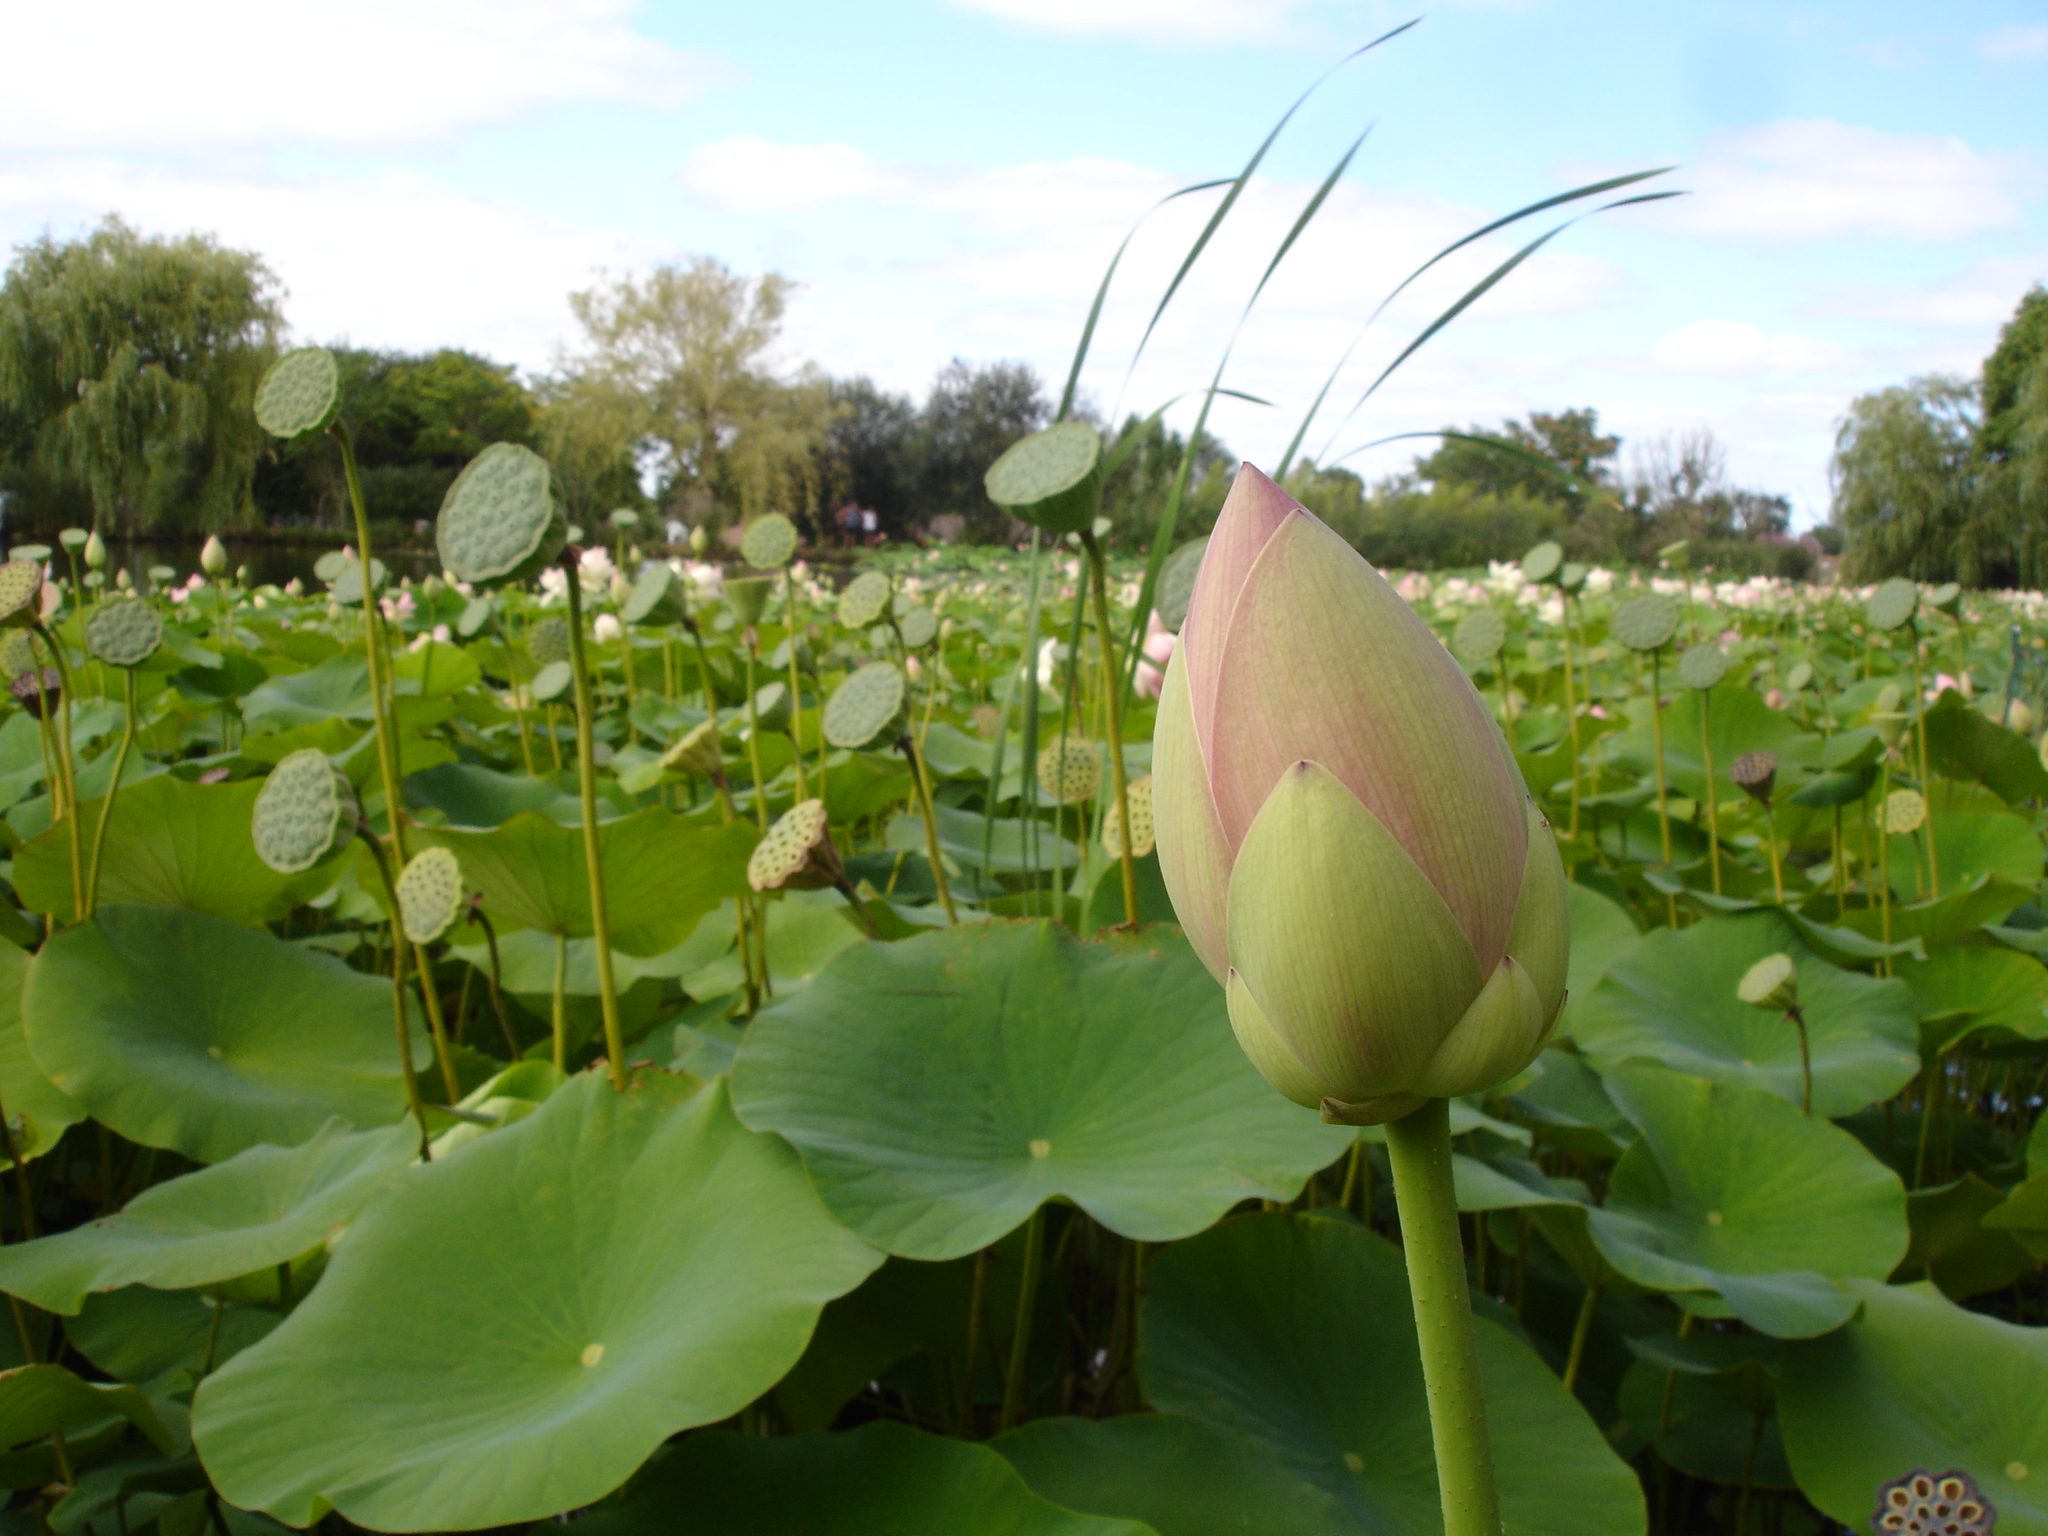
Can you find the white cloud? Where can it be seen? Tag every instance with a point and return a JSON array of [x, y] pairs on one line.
[[1816, 179], [254, 73], [2015, 43], [1977, 299], [752, 174], [1172, 21], [1732, 346]]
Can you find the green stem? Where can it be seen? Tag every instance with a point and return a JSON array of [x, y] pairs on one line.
[[1580, 1329], [593, 855], [99, 836], [1113, 696], [1419, 1147], [497, 996], [1027, 1303], [1926, 782], [754, 735], [66, 765], [1713, 790], [931, 824], [796, 697], [373, 646], [558, 1016], [405, 1062], [1663, 809]]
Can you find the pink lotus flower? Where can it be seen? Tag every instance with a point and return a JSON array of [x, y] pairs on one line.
[[1158, 650]]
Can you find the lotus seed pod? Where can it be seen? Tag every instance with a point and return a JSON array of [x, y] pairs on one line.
[[37, 689], [1921, 1504], [747, 596], [771, 707], [505, 519], [213, 556], [552, 681], [865, 600], [697, 753], [36, 552], [17, 655], [431, 894], [299, 393], [868, 709], [1905, 812], [1542, 563], [73, 539], [987, 720], [1480, 635], [1343, 833], [919, 627], [305, 813], [1755, 774], [1772, 983], [1645, 623], [798, 853], [1700, 667], [21, 593], [124, 633], [1069, 771], [547, 640], [95, 551], [657, 597], [1139, 793], [1800, 677], [1890, 727], [1051, 479], [769, 542], [1892, 604]]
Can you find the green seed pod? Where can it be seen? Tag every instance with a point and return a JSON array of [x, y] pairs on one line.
[[1069, 771], [769, 542], [305, 813], [1800, 678], [1892, 604], [1772, 983], [21, 592], [771, 707], [798, 853], [1051, 479], [1541, 564], [1646, 623], [124, 633], [1176, 586], [300, 393], [505, 519], [1139, 793], [919, 627], [747, 596], [1905, 811], [551, 681], [1480, 635], [547, 640], [657, 598], [431, 894], [697, 753], [624, 518], [865, 599], [476, 613], [73, 539], [868, 710], [17, 655], [1702, 666]]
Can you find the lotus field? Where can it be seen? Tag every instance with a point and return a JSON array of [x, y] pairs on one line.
[[713, 1049]]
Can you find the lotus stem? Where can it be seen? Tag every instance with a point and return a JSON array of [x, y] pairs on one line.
[[1580, 1329], [558, 1015], [1926, 782], [373, 646], [1805, 1061], [1663, 809], [1015, 1376], [405, 1061], [593, 854], [1113, 700], [497, 994], [796, 694], [1713, 793], [931, 824], [518, 699], [754, 737], [99, 836], [67, 766], [1571, 714], [1419, 1147]]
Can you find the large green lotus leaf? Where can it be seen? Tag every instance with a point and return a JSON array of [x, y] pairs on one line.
[[37, 1109], [805, 930], [1918, 1382], [1955, 1247], [1962, 744], [182, 1031], [1179, 1475], [1296, 1334], [510, 1332], [662, 874], [1966, 845], [1740, 722], [879, 1480], [1706, 1433], [473, 796], [1964, 992], [1568, 1105], [1008, 846], [36, 1400], [1671, 998], [164, 1341], [261, 1207], [437, 669], [1733, 1191], [174, 844], [337, 688], [1601, 931], [940, 1089]]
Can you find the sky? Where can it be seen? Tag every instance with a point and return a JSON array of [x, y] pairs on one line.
[[1866, 189]]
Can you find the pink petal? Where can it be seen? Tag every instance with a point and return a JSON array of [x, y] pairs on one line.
[[1252, 512]]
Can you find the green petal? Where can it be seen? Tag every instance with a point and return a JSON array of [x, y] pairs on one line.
[[1277, 1064], [1194, 859], [1356, 962], [1499, 1035], [1541, 937]]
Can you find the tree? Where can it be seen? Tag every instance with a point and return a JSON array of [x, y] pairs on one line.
[[1134, 493], [1904, 474], [1570, 440], [127, 368], [684, 356], [416, 420], [871, 451], [971, 415]]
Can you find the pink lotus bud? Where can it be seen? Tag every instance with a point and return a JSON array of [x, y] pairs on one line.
[[1345, 838]]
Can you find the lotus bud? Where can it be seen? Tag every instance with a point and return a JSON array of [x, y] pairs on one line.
[[699, 541], [1344, 836], [213, 556], [621, 589], [295, 588], [95, 551], [124, 581], [2020, 718]]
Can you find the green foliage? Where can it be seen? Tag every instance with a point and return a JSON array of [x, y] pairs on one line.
[[1578, 457], [127, 364], [1905, 484]]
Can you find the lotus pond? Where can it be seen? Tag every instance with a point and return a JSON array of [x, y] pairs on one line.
[[797, 1122]]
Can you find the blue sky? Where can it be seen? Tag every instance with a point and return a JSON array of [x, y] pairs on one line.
[[1868, 186]]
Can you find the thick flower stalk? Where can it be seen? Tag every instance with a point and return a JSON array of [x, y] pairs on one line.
[[1343, 832]]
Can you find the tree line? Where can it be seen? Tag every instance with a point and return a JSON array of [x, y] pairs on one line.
[[127, 362]]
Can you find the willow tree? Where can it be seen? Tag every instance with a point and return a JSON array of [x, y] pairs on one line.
[[682, 358], [1905, 480], [127, 363]]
